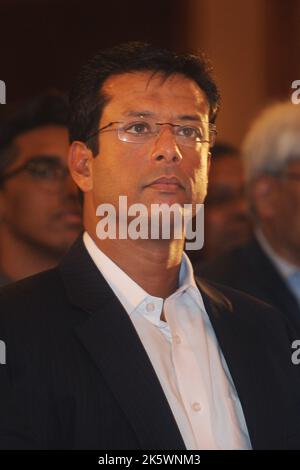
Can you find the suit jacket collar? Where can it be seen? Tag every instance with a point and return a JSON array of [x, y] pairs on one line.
[[236, 341], [272, 283], [111, 340]]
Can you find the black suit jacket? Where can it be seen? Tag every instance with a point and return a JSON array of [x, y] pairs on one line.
[[249, 269], [77, 375]]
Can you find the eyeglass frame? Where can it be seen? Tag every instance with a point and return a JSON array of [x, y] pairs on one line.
[[292, 176], [25, 168], [286, 174], [212, 129]]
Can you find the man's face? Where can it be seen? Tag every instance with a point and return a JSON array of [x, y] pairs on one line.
[[283, 214], [126, 168], [226, 219], [43, 214]]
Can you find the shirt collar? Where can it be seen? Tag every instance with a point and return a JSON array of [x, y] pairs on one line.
[[128, 291], [130, 294]]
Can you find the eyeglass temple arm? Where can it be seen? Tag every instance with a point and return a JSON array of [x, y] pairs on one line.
[[12, 173]]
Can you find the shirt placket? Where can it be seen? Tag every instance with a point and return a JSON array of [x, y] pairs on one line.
[[193, 381]]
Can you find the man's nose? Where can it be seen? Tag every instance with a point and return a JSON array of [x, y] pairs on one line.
[[165, 147], [239, 206]]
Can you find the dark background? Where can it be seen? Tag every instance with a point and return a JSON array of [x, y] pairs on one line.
[[43, 43], [254, 45]]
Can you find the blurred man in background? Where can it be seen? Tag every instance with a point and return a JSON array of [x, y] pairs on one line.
[[40, 213], [227, 222], [268, 267]]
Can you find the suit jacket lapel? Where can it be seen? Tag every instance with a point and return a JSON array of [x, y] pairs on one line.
[[113, 344], [272, 282], [234, 339]]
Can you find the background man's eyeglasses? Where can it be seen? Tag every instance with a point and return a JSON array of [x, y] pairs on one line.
[[287, 175], [138, 132], [44, 169], [292, 176]]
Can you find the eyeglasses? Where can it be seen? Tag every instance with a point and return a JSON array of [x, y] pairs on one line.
[[44, 169], [138, 132], [292, 176]]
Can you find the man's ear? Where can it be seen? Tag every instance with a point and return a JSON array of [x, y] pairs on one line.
[[80, 164]]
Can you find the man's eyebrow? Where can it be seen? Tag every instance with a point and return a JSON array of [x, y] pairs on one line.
[[46, 156], [181, 117], [189, 117], [140, 113]]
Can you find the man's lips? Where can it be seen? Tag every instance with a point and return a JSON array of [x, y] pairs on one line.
[[167, 184], [70, 216]]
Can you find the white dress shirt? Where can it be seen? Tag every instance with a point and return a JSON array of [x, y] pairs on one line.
[[185, 355]]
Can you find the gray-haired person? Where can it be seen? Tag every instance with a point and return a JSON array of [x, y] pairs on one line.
[[268, 267]]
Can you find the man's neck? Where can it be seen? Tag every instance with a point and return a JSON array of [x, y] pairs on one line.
[[152, 264], [19, 259]]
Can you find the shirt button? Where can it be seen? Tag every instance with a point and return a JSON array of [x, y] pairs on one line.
[[177, 339], [196, 406], [150, 307]]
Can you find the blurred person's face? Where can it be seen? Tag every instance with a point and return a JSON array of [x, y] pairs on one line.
[[36, 207], [277, 200], [226, 219]]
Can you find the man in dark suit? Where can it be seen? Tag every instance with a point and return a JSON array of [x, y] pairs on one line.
[[120, 347], [226, 217], [268, 267]]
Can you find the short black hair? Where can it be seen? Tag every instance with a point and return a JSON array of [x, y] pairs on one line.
[[48, 108], [87, 99], [223, 149]]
